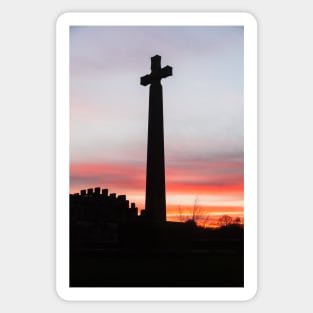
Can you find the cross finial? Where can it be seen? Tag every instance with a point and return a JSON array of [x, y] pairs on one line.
[[157, 73]]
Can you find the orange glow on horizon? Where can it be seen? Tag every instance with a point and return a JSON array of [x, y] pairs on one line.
[[205, 215], [182, 188]]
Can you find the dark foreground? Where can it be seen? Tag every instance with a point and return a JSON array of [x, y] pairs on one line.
[[203, 259], [188, 270]]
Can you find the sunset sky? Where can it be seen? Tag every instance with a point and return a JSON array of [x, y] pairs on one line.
[[203, 114]]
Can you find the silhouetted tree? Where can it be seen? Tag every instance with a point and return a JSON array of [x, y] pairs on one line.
[[196, 211], [197, 217], [225, 220], [181, 216], [237, 220], [191, 223]]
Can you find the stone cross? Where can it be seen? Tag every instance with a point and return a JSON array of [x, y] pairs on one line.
[[155, 204]]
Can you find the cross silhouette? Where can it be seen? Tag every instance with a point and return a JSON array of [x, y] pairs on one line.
[[155, 205], [157, 73]]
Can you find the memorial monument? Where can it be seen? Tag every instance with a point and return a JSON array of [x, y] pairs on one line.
[[155, 203]]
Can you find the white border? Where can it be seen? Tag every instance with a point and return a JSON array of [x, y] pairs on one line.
[[62, 156]]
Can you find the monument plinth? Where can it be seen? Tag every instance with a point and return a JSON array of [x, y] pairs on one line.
[[155, 205]]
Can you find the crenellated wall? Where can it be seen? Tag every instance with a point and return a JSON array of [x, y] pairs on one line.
[[96, 204]]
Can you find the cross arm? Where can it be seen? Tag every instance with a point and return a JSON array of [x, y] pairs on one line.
[[145, 80], [166, 71], [156, 75]]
